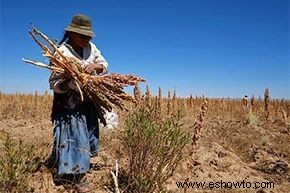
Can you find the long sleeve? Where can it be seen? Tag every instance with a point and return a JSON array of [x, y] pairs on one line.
[[57, 81], [98, 58]]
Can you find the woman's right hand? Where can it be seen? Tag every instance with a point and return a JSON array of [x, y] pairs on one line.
[[90, 68]]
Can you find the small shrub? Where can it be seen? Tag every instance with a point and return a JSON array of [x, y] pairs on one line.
[[251, 118], [154, 147], [17, 161]]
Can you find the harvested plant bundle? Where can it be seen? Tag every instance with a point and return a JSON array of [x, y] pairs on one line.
[[106, 91]]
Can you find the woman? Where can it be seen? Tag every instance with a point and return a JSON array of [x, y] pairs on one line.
[[76, 131]]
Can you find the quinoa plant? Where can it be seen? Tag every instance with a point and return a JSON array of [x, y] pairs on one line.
[[154, 146], [17, 161]]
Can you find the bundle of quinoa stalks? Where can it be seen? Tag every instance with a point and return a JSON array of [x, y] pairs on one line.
[[106, 91]]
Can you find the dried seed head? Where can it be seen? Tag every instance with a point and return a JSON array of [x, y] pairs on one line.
[[159, 99], [169, 104], [137, 94], [147, 96]]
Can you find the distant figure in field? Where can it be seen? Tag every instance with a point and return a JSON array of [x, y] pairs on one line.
[[76, 131], [245, 103]]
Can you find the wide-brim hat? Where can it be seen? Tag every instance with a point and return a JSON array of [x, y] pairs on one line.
[[81, 24]]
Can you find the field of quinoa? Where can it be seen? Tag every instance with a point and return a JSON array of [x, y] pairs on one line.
[[163, 143]]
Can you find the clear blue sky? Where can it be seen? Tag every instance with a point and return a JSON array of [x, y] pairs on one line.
[[218, 48]]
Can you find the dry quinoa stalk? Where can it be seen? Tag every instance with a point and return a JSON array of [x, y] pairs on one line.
[[267, 105], [137, 94], [169, 103]]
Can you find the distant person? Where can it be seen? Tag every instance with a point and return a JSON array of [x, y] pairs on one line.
[[246, 104], [76, 131], [245, 101]]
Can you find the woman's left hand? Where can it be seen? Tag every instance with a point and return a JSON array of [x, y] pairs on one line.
[[91, 67]]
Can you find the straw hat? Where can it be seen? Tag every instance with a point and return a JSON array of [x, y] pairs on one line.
[[81, 24]]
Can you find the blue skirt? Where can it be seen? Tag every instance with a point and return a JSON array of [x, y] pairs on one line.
[[76, 139]]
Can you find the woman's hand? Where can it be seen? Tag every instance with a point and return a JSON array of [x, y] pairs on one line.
[[91, 67]]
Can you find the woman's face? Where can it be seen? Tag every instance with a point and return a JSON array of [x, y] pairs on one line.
[[79, 40]]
